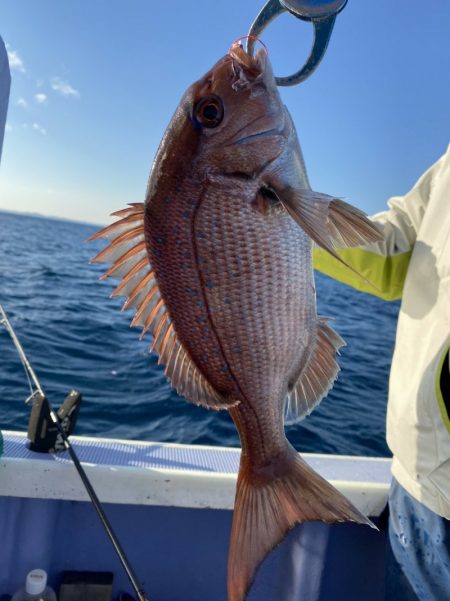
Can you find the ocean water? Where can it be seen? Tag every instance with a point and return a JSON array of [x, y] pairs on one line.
[[76, 338]]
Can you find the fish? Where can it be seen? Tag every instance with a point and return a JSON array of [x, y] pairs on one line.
[[217, 263]]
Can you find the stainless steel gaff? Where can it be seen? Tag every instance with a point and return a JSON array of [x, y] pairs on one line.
[[320, 13]]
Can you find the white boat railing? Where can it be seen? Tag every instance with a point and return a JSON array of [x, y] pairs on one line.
[[149, 473]]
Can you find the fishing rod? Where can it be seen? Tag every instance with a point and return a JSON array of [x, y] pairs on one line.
[[137, 586]]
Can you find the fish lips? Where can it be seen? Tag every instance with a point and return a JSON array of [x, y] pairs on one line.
[[249, 72]]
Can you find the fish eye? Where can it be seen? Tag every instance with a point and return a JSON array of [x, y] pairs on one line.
[[209, 111]]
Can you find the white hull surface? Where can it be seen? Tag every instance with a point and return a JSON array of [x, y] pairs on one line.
[[171, 507]]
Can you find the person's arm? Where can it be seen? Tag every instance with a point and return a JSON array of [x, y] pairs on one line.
[[384, 263]]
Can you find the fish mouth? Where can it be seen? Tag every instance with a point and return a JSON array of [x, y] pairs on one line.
[[247, 69], [258, 128]]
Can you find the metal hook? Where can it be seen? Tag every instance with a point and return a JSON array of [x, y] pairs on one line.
[[320, 13]]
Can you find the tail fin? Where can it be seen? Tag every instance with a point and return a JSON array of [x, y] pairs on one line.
[[267, 506]]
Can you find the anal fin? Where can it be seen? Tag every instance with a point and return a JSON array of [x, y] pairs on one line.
[[317, 375]]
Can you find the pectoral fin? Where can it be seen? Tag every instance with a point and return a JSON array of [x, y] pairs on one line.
[[330, 222]]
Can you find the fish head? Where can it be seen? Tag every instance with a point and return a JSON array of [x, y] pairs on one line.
[[238, 110], [231, 120]]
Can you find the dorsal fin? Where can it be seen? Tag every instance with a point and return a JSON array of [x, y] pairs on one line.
[[128, 254], [317, 376]]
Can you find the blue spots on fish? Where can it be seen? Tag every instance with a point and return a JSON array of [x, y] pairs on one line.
[[200, 235], [237, 349], [186, 214], [191, 291], [226, 300], [209, 284]]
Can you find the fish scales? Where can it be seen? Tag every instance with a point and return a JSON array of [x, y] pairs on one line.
[[171, 244], [227, 290], [258, 277]]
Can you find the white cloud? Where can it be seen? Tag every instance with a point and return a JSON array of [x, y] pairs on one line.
[[15, 62], [63, 87], [39, 128], [22, 102], [40, 98], [8, 127]]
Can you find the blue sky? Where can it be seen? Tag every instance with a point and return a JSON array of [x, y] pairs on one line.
[[95, 84]]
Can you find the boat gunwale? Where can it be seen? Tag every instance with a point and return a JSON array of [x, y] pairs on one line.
[[52, 476]]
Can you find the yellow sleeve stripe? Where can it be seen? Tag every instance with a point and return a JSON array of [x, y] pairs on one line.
[[437, 387], [387, 274]]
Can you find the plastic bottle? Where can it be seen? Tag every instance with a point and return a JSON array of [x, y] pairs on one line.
[[35, 589]]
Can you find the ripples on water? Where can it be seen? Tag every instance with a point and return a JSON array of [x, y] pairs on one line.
[[76, 337]]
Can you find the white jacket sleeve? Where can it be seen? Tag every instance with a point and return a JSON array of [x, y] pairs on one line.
[[384, 263]]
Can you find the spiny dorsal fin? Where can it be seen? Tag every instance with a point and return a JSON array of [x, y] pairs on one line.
[[316, 377], [128, 254]]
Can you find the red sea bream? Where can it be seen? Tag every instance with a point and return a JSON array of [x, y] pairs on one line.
[[217, 263]]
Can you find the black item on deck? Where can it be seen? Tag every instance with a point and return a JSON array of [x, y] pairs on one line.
[[86, 586]]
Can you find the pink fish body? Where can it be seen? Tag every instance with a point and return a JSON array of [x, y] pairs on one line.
[[218, 265]]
